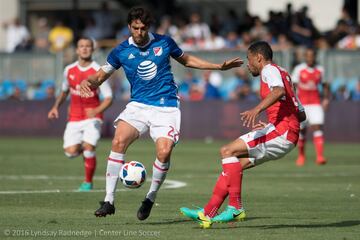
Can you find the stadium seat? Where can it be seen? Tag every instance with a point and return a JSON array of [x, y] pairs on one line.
[[351, 84], [41, 92], [8, 87], [334, 86], [47, 83], [21, 84]]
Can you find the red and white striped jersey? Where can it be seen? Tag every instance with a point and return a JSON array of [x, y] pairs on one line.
[[284, 113], [74, 74], [307, 80]]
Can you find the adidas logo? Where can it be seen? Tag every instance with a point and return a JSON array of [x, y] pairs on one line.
[[131, 56]]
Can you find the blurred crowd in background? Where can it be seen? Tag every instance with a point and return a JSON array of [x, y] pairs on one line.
[[285, 30]]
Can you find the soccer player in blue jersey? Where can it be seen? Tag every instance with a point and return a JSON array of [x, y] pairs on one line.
[[154, 104]]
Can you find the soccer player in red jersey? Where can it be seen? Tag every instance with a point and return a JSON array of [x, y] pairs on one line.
[[267, 141], [307, 77], [85, 115]]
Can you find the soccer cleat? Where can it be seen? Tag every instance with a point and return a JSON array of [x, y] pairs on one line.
[[204, 221], [191, 213], [106, 208], [230, 214], [300, 161], [145, 209], [320, 161], [85, 187]]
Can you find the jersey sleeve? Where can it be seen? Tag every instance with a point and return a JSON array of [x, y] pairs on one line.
[[65, 83], [113, 58], [272, 77], [175, 51], [295, 75]]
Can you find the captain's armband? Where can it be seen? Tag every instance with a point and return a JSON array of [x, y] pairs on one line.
[[107, 68]]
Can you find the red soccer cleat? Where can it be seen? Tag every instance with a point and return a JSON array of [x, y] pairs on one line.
[[321, 161], [300, 161]]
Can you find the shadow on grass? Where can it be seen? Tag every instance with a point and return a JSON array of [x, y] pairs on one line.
[[180, 221], [349, 223], [163, 222]]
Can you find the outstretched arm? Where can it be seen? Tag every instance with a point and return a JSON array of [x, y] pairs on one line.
[[249, 117], [326, 96], [194, 62], [93, 82], [54, 111]]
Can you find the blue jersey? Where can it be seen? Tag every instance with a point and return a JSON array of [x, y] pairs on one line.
[[148, 69]]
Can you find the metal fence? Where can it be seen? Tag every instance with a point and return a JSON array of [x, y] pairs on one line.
[[31, 67], [341, 67]]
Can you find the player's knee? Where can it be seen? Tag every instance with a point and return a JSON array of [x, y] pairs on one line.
[[71, 153], [225, 151], [118, 143], [164, 153]]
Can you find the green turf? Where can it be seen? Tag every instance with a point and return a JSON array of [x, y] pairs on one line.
[[282, 200]]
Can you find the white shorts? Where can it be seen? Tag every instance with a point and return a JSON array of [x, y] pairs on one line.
[[314, 115], [88, 131], [266, 144], [162, 121]]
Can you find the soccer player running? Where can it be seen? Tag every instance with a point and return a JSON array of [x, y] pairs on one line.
[[83, 128], [264, 143], [307, 77], [154, 104]]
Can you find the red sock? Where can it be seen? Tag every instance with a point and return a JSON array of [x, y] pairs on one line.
[[233, 170], [319, 144], [219, 194], [90, 165], [301, 146]]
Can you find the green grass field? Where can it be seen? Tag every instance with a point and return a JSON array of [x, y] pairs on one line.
[[37, 196]]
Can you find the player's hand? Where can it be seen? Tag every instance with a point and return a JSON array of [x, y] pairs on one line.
[[259, 125], [91, 112], [54, 113], [85, 88], [236, 62], [249, 117]]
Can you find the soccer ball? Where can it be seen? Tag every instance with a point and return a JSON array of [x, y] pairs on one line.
[[133, 174]]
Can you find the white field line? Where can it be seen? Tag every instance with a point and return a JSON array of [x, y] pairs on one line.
[[168, 184]]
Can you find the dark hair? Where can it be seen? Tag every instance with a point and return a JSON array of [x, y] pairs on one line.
[[88, 39], [314, 50], [142, 14], [262, 48]]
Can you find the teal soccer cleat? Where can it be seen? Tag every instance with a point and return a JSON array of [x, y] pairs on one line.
[[230, 214], [85, 187], [191, 213]]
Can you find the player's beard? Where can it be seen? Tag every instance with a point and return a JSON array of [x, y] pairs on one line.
[[254, 73], [141, 41]]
